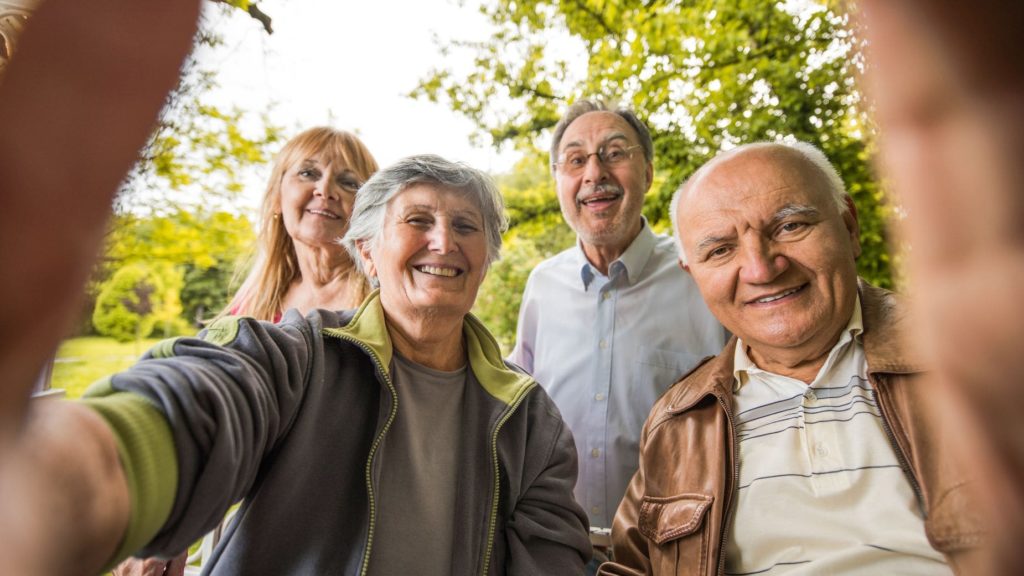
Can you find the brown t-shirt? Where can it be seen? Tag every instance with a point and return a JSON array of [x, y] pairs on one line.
[[417, 482]]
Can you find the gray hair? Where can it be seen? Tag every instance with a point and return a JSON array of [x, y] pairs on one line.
[[581, 107], [367, 222], [808, 152]]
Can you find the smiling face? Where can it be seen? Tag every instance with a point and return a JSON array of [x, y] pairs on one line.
[[771, 252], [602, 204], [316, 200], [431, 256]]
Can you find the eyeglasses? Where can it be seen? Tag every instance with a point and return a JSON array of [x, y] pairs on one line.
[[573, 162]]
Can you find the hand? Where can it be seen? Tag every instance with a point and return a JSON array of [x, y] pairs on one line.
[[948, 87], [152, 566]]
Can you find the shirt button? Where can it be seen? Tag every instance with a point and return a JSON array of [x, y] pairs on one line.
[[606, 295], [811, 396], [595, 510], [599, 396], [821, 449], [603, 344], [595, 453]]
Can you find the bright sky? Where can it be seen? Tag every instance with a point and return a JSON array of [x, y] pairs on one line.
[[349, 64]]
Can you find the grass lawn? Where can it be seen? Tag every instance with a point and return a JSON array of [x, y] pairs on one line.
[[82, 361]]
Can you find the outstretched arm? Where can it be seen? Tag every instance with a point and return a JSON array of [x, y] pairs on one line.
[[77, 103], [64, 500]]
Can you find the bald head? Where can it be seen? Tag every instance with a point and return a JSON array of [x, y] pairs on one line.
[[801, 157]]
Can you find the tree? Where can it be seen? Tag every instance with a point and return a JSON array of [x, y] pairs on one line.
[[706, 74], [199, 152], [205, 248], [179, 203], [136, 299]]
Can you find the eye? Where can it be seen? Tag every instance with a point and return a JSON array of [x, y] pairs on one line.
[[614, 154], [576, 160], [465, 227], [717, 252], [309, 173], [790, 227], [419, 221], [349, 184]]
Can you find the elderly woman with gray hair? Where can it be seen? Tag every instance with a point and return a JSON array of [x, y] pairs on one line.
[[391, 439]]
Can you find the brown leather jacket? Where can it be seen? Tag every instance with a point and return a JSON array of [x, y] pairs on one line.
[[674, 515]]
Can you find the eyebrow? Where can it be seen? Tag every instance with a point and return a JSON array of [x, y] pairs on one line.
[[613, 136], [710, 241], [431, 208], [787, 211], [790, 210]]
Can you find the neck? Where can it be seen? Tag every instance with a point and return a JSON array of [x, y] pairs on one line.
[[601, 256], [803, 364], [432, 341], [326, 280], [803, 370]]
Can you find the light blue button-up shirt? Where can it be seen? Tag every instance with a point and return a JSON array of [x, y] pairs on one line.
[[606, 347]]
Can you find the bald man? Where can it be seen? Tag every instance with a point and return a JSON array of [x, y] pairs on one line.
[[809, 444]]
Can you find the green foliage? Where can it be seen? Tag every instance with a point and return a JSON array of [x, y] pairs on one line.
[[199, 155], [199, 152], [705, 74], [537, 232], [204, 247], [136, 299]]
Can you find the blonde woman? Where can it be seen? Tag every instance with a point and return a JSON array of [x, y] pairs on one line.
[[305, 211]]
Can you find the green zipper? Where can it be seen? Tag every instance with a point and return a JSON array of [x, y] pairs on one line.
[[493, 521], [375, 445]]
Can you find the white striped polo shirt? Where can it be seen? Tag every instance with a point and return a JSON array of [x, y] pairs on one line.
[[821, 490]]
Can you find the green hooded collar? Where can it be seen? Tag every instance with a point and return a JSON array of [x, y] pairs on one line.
[[369, 329]]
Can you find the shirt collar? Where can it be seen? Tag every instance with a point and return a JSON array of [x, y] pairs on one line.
[[631, 263], [743, 366]]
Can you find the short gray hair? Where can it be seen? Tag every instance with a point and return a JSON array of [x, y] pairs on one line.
[[372, 200], [809, 152], [581, 107]]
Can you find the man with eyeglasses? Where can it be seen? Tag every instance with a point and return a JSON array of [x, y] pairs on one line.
[[611, 323]]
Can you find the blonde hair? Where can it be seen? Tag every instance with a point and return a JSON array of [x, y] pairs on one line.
[[276, 266]]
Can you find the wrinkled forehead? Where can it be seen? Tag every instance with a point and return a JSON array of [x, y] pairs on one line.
[[595, 129], [765, 178], [433, 196]]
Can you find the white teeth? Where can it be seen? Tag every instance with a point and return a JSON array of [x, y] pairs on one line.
[[438, 271], [598, 199], [324, 213], [774, 298]]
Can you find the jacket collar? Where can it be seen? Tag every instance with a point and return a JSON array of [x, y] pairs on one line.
[[888, 342], [886, 347], [370, 329]]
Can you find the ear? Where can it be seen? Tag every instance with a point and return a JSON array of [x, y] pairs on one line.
[[367, 258], [852, 225], [650, 174], [683, 265]]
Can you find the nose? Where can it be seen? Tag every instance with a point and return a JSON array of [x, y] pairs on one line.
[[760, 263], [441, 239], [594, 170], [325, 187]]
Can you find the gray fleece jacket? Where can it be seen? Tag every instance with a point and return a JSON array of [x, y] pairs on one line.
[[288, 419]]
